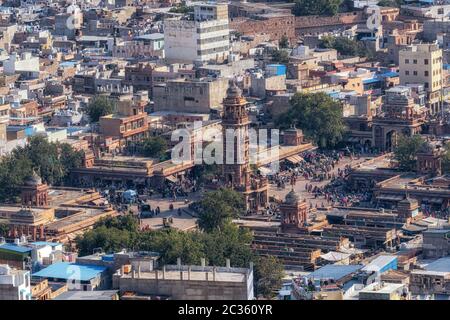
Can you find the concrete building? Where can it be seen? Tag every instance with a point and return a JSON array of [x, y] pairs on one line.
[[14, 284], [77, 276], [130, 123], [205, 38], [182, 282], [433, 279], [384, 291], [150, 45], [25, 64], [422, 63], [436, 243], [191, 96], [4, 120], [69, 23], [264, 85]]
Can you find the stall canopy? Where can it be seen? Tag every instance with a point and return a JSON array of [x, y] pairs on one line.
[[294, 159], [171, 178]]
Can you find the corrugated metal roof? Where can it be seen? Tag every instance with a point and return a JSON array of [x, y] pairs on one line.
[[73, 271], [46, 243], [15, 248], [334, 271], [379, 263], [439, 265]]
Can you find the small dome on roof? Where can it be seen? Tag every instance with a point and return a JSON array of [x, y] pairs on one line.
[[233, 90], [33, 180], [292, 197]]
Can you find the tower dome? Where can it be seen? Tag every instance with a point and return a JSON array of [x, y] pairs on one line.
[[233, 90], [292, 198], [33, 180]]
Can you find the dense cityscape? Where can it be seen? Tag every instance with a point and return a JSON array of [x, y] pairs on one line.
[[224, 150]]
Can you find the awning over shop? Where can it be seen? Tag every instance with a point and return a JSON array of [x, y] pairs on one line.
[[265, 171], [171, 178], [294, 159], [335, 256], [390, 197]]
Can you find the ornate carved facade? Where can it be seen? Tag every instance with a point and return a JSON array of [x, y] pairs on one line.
[[236, 165], [293, 212], [34, 192], [400, 117]]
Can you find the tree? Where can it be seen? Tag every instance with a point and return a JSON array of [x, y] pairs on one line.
[[217, 208], [126, 222], [182, 8], [229, 242], [52, 161], [14, 169], [345, 46], [173, 244], [154, 147], [280, 56], [446, 159], [316, 7], [391, 3], [4, 229], [405, 151], [318, 115], [100, 106], [269, 273], [284, 42], [109, 239]]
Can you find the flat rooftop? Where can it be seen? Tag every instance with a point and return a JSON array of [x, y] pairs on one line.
[[87, 295], [194, 276], [380, 163], [386, 288], [85, 214], [61, 196], [66, 270]]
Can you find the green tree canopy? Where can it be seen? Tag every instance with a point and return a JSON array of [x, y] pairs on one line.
[[182, 8], [280, 56], [446, 159], [217, 208], [154, 147], [269, 273], [391, 3], [316, 7], [284, 42], [229, 242], [52, 161], [345, 46], [318, 115], [100, 106], [405, 151], [4, 229]]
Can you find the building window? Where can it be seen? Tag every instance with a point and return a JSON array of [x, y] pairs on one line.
[[415, 73], [407, 72], [406, 61], [425, 61], [426, 73], [415, 61]]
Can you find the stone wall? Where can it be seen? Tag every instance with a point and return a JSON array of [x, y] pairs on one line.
[[311, 24], [275, 27], [186, 290]]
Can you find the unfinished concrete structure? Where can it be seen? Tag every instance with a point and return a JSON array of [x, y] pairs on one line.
[[183, 282]]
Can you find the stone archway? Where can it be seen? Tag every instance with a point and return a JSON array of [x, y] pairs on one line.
[[391, 140]]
